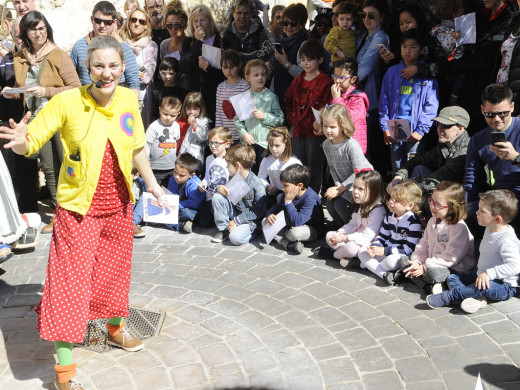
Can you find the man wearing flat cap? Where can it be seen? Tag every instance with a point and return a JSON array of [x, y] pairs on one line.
[[446, 161]]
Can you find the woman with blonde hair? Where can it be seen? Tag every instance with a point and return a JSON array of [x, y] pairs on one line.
[[137, 32], [202, 76]]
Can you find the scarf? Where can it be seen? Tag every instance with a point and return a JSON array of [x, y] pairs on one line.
[[139, 45], [38, 57]]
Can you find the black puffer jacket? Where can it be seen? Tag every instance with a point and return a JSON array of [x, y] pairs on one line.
[[256, 43]]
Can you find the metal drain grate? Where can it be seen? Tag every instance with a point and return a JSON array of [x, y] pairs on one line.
[[141, 323]]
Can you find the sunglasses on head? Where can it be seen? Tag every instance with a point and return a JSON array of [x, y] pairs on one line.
[[370, 15], [501, 114], [292, 23], [142, 22], [106, 22], [174, 26]]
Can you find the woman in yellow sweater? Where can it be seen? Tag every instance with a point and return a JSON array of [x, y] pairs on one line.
[[88, 274]]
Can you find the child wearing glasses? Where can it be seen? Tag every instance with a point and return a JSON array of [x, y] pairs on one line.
[[446, 247], [415, 100], [498, 265], [309, 90], [341, 40], [162, 136], [400, 232], [233, 85], [345, 92]]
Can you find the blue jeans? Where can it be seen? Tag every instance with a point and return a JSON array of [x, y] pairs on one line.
[[419, 171], [399, 153], [185, 214], [462, 286], [224, 211]]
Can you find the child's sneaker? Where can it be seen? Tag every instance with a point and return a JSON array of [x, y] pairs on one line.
[[124, 340], [295, 246], [138, 232], [5, 253], [472, 305], [438, 300], [348, 262], [73, 384], [437, 288], [324, 252], [29, 239], [187, 227], [389, 278], [220, 236]]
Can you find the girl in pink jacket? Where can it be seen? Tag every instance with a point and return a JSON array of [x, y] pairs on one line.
[[447, 244]]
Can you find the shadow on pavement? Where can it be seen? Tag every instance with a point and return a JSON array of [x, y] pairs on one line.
[[28, 356], [500, 376]]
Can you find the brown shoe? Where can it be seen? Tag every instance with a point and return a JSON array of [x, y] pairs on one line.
[[124, 340], [138, 232], [73, 384], [48, 228]]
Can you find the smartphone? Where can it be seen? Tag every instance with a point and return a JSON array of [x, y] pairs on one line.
[[498, 136], [142, 69], [278, 47], [383, 47]]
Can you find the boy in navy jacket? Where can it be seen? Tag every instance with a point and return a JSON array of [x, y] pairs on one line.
[[302, 209]]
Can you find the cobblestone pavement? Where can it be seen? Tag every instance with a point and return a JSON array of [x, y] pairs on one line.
[[258, 316]]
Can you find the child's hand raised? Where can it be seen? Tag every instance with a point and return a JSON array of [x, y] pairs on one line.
[[248, 139], [482, 282], [192, 121], [335, 91], [258, 114], [291, 194], [222, 190], [271, 219]]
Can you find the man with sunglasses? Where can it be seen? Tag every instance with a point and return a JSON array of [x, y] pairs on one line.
[[104, 23], [446, 161], [502, 159]]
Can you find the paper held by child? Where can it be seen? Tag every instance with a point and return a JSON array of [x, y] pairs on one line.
[[316, 115], [270, 231], [154, 213], [237, 188], [467, 26], [243, 104], [212, 54], [399, 129]]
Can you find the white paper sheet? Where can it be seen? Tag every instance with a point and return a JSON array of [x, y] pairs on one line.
[[316, 115], [467, 26], [13, 91], [154, 213], [243, 104], [212, 54], [399, 128], [270, 231], [237, 187]]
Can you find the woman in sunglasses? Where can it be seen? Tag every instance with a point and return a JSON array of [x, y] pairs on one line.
[[50, 70], [176, 23], [137, 32], [201, 75], [286, 65]]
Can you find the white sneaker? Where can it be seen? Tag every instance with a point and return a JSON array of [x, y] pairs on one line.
[[437, 288], [472, 305]]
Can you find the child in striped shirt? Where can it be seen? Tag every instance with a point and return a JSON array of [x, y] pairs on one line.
[[232, 68], [400, 232]]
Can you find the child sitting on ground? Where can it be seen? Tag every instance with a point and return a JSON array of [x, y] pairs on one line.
[[447, 245], [369, 211], [217, 174], [302, 208], [498, 264], [162, 136], [239, 222], [184, 183], [400, 232]]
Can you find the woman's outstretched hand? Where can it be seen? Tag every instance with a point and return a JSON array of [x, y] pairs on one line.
[[16, 135]]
